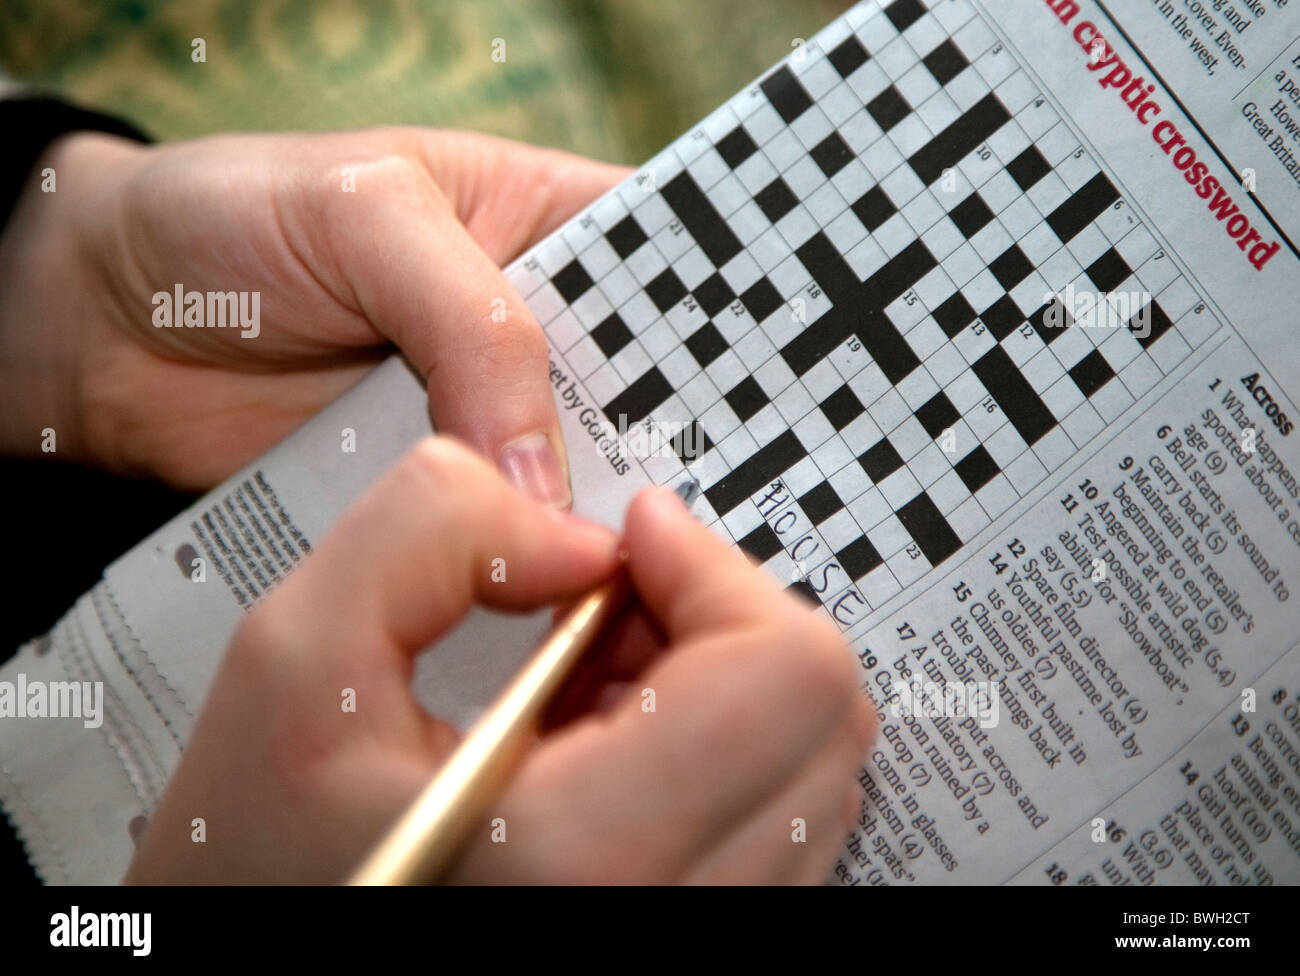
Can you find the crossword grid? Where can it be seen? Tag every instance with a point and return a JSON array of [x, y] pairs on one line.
[[842, 271]]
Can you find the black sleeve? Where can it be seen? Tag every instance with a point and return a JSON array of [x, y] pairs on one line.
[[29, 124]]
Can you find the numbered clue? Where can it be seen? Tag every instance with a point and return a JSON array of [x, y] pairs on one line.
[[1107, 691]]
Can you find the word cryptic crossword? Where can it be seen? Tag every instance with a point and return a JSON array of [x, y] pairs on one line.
[[850, 294]]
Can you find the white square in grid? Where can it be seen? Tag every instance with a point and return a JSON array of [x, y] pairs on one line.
[[603, 383], [966, 89], [659, 339], [545, 303], [781, 328], [812, 429], [1136, 246], [760, 118], [945, 362], [822, 380], [938, 111], [879, 586], [1119, 347], [699, 393], [754, 349], [935, 288], [966, 392], [742, 520], [894, 235], [825, 204], [1022, 348], [839, 103], [617, 286], [889, 410], [923, 212], [770, 249], [729, 195], [1057, 143], [564, 330], [706, 169], [748, 223], [881, 158], [1037, 119], [811, 127], [638, 312], [1197, 328], [845, 231], [757, 171], [984, 423], [1062, 397], [861, 434], [896, 58], [816, 74], [889, 537], [925, 34], [1019, 217], [910, 134], [963, 264], [866, 259], [774, 376], [994, 66], [741, 272], [1083, 425], [552, 254], [990, 242], [719, 420], [800, 479], [1140, 376], [905, 311], [1111, 401], [999, 190], [917, 388], [794, 403], [1016, 91], [968, 520], [1055, 263], [869, 508], [1053, 449], [678, 367], [877, 32], [1088, 245], [1005, 445], [1025, 473], [599, 258], [909, 438], [850, 482], [1008, 142], [906, 569], [1031, 294], [997, 496], [693, 267], [1048, 193], [1043, 370], [853, 180], [737, 446], [947, 491], [979, 169], [1157, 272], [839, 530], [868, 81], [982, 290], [1076, 170], [974, 38], [833, 454], [671, 246], [726, 371]]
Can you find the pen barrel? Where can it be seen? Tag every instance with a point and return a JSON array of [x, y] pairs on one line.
[[431, 834]]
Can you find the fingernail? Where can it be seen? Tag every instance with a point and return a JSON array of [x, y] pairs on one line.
[[531, 465]]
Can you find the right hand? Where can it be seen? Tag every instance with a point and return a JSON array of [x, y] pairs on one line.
[[758, 719]]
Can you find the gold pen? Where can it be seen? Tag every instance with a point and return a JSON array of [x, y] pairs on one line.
[[427, 839]]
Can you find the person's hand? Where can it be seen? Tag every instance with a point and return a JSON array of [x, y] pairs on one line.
[[758, 722], [353, 242]]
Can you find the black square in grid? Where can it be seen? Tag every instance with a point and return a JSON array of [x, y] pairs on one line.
[[714, 294], [762, 543], [820, 503], [946, 62], [971, 215], [859, 558], [832, 154], [572, 281], [1028, 168], [626, 236], [1091, 373], [746, 398], [1108, 271], [881, 461], [736, 147], [706, 344], [1051, 321], [1011, 267], [1003, 317], [666, 289], [1158, 324], [611, 335], [804, 591], [976, 469], [889, 108], [691, 442], [776, 200], [842, 407], [787, 95], [904, 13], [762, 299], [937, 414], [954, 315], [874, 207], [848, 56], [935, 537]]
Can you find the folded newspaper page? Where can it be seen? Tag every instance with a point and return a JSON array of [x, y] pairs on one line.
[[974, 323]]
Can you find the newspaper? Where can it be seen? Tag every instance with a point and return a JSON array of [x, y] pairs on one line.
[[1056, 513]]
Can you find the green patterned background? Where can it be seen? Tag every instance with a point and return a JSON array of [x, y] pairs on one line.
[[616, 80]]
